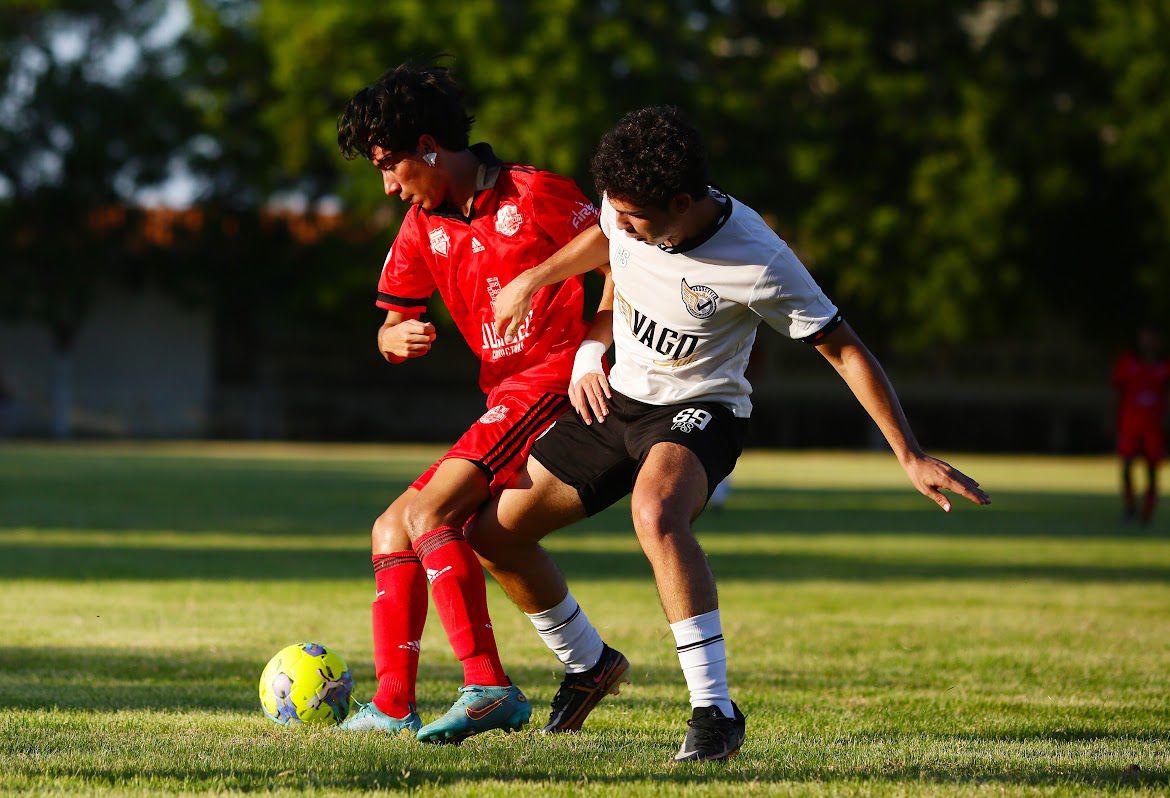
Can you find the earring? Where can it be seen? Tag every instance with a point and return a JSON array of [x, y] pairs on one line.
[[431, 157]]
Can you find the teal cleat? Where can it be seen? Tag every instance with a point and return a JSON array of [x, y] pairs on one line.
[[370, 718], [479, 709]]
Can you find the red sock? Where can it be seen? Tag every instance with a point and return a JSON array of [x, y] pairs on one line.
[[1148, 505], [400, 612], [460, 596]]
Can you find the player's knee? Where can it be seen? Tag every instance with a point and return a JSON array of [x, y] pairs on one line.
[[422, 516], [657, 524], [388, 534]]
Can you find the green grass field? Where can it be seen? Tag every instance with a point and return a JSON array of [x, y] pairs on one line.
[[878, 646]]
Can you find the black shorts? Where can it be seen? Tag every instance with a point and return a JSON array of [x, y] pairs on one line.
[[602, 460]]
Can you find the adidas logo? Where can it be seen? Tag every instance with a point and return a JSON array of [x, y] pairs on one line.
[[475, 245], [412, 645], [433, 575]]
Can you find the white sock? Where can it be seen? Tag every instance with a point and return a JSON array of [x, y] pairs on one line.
[[566, 630], [703, 656]]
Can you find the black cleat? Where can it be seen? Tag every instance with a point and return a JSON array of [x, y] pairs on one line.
[[711, 737], [581, 692]]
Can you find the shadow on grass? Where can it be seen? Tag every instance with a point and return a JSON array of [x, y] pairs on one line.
[[102, 680], [634, 760], [281, 497], [105, 563]]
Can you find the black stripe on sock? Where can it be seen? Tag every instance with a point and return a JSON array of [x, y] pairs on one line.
[[700, 644], [382, 563], [568, 621], [431, 541]]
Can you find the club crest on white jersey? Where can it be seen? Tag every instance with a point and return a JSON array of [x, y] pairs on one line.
[[440, 241], [700, 300], [508, 220], [691, 418]]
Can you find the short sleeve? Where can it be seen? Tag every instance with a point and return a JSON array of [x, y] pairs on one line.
[[559, 208], [606, 217], [406, 282], [789, 300]]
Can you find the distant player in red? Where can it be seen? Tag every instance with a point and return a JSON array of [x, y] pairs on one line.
[[1141, 380], [473, 224]]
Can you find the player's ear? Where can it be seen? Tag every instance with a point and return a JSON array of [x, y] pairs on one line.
[[680, 204], [427, 145]]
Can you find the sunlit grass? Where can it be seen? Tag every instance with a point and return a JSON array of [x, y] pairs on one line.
[[877, 645]]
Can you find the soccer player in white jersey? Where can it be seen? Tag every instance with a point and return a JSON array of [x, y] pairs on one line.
[[695, 272]]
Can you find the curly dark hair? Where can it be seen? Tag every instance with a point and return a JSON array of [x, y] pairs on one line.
[[403, 104], [651, 156]]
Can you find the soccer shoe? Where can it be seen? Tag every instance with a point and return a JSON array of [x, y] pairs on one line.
[[479, 709], [370, 718], [581, 692], [711, 736]]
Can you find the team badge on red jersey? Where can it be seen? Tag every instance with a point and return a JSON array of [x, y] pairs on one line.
[[497, 413], [508, 220], [440, 241]]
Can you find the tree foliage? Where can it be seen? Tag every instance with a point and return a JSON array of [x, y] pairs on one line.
[[954, 173]]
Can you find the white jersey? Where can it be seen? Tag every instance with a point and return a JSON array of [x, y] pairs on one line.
[[686, 320]]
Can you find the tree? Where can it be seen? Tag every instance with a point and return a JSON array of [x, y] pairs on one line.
[[90, 115]]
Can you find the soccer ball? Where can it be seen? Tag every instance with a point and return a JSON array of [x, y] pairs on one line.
[[306, 683]]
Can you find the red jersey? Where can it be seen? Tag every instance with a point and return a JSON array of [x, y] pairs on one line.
[[1141, 387], [519, 217]]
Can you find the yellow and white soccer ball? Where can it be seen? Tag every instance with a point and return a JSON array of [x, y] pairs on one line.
[[306, 683]]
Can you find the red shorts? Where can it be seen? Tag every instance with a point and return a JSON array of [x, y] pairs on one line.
[[499, 441], [1141, 436]]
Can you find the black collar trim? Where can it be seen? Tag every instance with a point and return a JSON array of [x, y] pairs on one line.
[[704, 237], [485, 179]]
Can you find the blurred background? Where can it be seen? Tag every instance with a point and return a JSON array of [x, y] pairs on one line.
[[983, 187]]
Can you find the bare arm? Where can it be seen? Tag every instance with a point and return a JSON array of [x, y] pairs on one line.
[[588, 251], [865, 377], [402, 337]]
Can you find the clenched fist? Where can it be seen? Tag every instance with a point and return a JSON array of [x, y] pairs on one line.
[[407, 339]]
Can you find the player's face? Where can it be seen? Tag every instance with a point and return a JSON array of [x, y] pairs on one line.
[[410, 178], [650, 225]]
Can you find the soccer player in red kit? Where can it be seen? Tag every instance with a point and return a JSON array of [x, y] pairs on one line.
[[1141, 379], [473, 224]]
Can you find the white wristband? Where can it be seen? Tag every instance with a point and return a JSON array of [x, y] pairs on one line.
[[590, 357]]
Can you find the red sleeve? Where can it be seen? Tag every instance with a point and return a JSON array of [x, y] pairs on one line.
[[559, 207], [406, 282], [1120, 366]]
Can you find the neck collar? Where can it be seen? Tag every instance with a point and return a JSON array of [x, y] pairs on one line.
[[703, 237], [485, 179]]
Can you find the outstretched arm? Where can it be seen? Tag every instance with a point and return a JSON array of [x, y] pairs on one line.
[[865, 377], [588, 251]]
